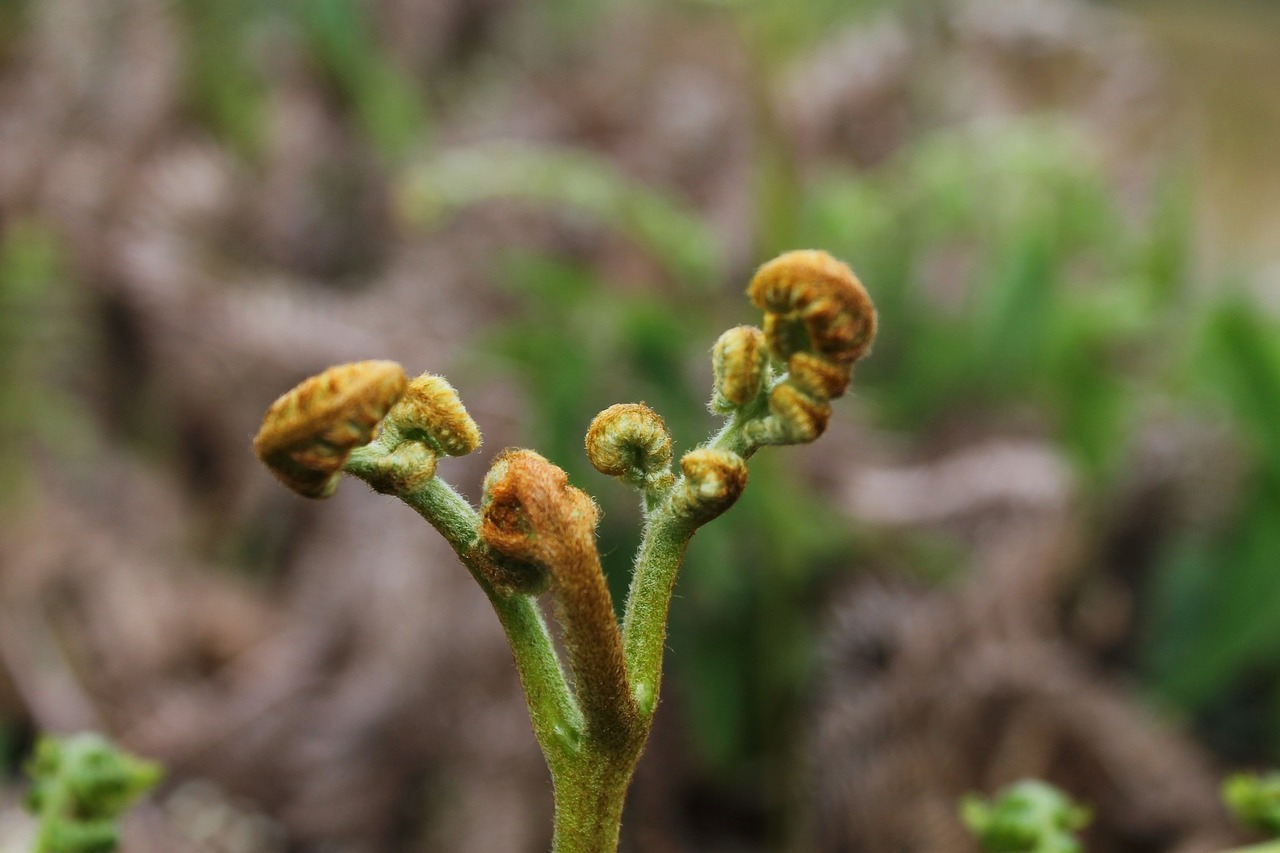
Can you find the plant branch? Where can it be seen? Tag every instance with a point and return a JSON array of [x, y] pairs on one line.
[[663, 544], [557, 720], [644, 622], [589, 799], [585, 610]]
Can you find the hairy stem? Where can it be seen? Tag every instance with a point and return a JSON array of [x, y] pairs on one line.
[[596, 656], [556, 719], [662, 549], [589, 800], [591, 765], [644, 623]]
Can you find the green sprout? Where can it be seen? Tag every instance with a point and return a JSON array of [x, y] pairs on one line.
[[1027, 817], [533, 533], [1255, 801], [81, 787]]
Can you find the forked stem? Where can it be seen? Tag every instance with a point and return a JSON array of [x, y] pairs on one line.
[[534, 532]]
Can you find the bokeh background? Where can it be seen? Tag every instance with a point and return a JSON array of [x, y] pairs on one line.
[[1041, 538]]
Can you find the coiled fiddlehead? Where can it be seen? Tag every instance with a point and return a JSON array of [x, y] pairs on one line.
[[308, 433], [818, 321]]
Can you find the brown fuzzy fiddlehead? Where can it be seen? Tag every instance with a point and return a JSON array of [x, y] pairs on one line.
[[536, 522], [430, 411], [630, 441], [740, 363], [818, 321], [308, 433], [713, 480], [427, 422], [814, 303]]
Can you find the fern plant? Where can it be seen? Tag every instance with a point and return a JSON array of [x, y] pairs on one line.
[[1254, 799], [533, 533], [1032, 816], [81, 787], [1029, 816]]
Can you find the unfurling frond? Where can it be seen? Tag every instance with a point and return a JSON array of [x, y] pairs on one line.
[[739, 362], [814, 303], [630, 441], [431, 411], [818, 321], [308, 433], [713, 480]]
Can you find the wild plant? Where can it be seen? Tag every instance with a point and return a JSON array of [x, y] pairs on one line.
[[533, 533], [82, 786], [1031, 816], [1254, 800]]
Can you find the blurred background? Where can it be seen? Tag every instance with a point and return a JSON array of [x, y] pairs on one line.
[[1041, 538]]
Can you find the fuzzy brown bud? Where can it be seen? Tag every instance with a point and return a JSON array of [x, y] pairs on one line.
[[713, 480], [530, 512], [814, 303], [431, 411], [308, 433], [738, 361], [631, 442], [532, 517], [820, 379], [799, 417]]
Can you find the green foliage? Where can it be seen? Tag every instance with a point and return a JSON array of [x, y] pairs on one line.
[[14, 17], [39, 333], [576, 180], [225, 87], [386, 102], [1255, 800], [230, 42], [779, 29], [82, 785], [1216, 604], [1217, 600], [1027, 817], [1003, 257]]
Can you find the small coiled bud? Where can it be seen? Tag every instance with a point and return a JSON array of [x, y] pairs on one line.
[[818, 378], [308, 433], [431, 411], [739, 363], [814, 303], [796, 417], [403, 470], [630, 441], [713, 480]]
